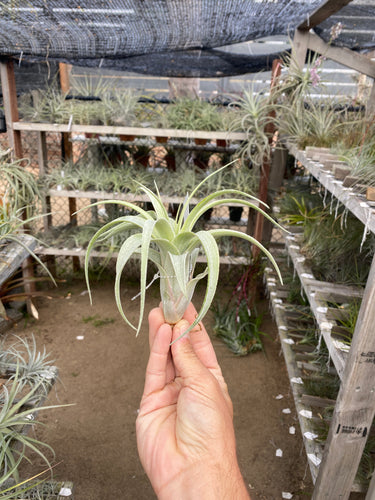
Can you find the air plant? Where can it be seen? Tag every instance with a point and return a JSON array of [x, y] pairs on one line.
[[15, 414], [173, 246], [193, 114], [19, 187], [238, 328], [34, 367], [254, 115]]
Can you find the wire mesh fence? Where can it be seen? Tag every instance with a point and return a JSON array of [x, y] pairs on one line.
[[99, 168]]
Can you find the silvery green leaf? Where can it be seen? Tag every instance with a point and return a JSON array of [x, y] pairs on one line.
[[128, 248]]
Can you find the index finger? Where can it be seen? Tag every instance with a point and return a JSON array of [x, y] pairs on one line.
[[200, 340]]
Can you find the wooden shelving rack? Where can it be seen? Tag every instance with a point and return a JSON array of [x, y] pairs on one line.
[[355, 406]]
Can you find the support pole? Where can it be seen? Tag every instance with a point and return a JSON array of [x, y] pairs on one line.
[[67, 150], [8, 83], [354, 409], [270, 130]]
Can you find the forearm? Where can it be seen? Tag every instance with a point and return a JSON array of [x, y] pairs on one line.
[[205, 482]]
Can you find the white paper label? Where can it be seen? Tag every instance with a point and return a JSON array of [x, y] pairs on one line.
[[288, 341], [310, 435], [314, 459], [65, 492], [296, 380], [306, 413]]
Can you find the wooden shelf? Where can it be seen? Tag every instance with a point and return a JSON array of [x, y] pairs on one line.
[[313, 449], [13, 254], [318, 293], [352, 200], [81, 252], [136, 131]]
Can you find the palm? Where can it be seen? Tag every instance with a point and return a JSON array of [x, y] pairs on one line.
[[175, 412]]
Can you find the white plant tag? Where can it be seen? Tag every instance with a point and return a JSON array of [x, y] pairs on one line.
[[314, 459], [287, 495], [279, 396], [310, 435], [287, 411], [296, 380], [279, 452], [65, 492], [292, 429], [288, 341]]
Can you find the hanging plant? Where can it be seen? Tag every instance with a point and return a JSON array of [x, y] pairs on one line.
[[173, 246]]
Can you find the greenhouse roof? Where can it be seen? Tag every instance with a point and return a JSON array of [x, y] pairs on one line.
[[180, 34]]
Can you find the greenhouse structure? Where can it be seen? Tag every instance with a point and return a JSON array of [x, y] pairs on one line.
[[220, 153]]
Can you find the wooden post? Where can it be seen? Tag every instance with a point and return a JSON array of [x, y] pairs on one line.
[[8, 84], [67, 150], [299, 48], [46, 202], [354, 409], [265, 171]]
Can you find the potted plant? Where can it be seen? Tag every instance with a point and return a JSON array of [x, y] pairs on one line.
[[173, 247]]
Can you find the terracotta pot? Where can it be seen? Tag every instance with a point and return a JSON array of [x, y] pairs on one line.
[[127, 137], [161, 140], [200, 142]]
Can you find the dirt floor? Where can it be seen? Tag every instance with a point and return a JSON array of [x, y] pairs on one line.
[[101, 366]]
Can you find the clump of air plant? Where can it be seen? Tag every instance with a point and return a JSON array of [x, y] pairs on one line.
[[172, 245]]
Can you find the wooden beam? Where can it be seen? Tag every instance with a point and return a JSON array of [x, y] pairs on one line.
[[322, 13], [346, 57], [137, 131], [299, 47], [355, 407], [8, 84]]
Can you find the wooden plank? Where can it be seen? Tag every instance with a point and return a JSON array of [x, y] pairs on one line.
[[299, 48], [352, 200], [313, 449], [12, 255], [322, 13], [137, 131], [355, 407], [43, 167], [318, 307], [371, 490], [354, 60], [80, 252], [8, 84]]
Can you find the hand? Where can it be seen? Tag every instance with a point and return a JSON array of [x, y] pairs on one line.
[[185, 429]]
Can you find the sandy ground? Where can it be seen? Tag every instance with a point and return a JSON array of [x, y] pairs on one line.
[[101, 371]]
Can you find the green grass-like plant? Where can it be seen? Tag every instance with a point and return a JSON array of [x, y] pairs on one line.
[[238, 328], [173, 246]]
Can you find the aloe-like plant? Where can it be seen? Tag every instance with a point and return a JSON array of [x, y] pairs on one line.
[[173, 246], [15, 414], [255, 114]]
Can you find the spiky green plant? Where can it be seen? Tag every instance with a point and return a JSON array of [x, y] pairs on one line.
[[173, 246], [15, 414], [238, 328], [18, 186], [254, 115]]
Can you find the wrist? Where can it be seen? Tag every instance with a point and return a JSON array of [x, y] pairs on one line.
[[213, 482]]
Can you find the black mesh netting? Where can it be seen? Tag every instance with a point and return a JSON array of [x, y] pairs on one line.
[[167, 37]]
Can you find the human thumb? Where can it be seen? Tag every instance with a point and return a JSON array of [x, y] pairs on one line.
[[184, 357]]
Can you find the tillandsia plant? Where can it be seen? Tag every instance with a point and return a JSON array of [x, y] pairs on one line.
[[173, 246]]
